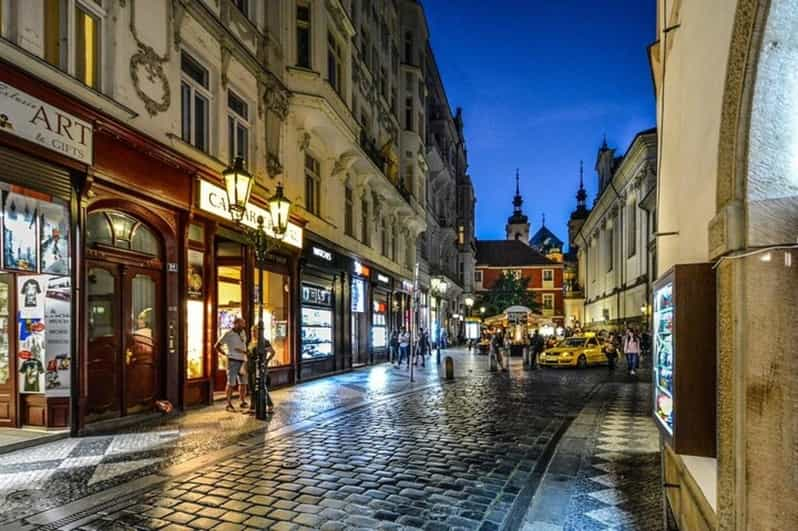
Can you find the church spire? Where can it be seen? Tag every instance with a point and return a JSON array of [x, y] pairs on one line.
[[581, 194], [517, 200], [543, 220]]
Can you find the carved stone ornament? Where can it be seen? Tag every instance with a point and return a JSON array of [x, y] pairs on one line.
[[227, 54], [178, 12], [304, 140], [342, 164], [148, 61], [273, 165], [275, 97]]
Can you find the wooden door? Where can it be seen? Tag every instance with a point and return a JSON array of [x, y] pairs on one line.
[[143, 338], [8, 373], [103, 337]]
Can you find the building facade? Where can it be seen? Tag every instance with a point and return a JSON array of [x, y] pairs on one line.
[[131, 111], [728, 199], [615, 264]]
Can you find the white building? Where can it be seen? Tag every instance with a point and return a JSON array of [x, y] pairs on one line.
[[615, 261]]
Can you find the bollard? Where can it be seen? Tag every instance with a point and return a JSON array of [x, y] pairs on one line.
[[449, 368], [526, 359]]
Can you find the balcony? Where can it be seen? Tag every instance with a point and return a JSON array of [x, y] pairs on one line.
[[372, 150]]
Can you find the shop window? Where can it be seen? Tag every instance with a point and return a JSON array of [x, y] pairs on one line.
[[237, 127], [317, 322], [25, 248], [125, 233], [74, 43], [195, 100], [275, 314]]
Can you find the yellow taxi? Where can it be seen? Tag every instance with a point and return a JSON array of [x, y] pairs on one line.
[[576, 351]]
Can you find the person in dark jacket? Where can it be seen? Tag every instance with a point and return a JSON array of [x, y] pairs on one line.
[[537, 344]]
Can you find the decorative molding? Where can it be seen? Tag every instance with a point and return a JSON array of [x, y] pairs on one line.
[[227, 53], [275, 96], [178, 12], [147, 59], [303, 142], [273, 165], [737, 70]]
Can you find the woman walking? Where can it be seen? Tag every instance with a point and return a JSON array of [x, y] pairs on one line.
[[631, 347]]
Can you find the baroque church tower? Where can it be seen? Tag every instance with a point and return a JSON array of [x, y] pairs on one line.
[[517, 227]]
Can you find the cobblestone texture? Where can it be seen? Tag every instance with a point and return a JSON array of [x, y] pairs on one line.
[[447, 456]]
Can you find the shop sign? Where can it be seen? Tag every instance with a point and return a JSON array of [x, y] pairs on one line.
[[362, 270], [30, 118], [382, 278], [321, 253], [314, 295], [213, 199]]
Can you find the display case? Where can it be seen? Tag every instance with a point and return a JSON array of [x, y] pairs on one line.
[[684, 358], [317, 322]]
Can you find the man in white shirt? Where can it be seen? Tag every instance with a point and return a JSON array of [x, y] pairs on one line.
[[235, 348]]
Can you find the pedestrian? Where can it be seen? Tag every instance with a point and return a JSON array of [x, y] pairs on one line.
[[497, 344], [444, 339], [404, 347], [252, 370], [423, 349], [537, 348], [233, 346], [393, 345], [631, 347], [611, 351]]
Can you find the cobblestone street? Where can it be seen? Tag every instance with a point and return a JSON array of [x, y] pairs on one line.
[[368, 450]]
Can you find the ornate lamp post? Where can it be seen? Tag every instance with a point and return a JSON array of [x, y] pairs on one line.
[[238, 183], [469, 302]]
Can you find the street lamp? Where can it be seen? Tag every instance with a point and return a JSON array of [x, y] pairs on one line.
[[440, 286], [469, 302], [238, 183], [482, 310]]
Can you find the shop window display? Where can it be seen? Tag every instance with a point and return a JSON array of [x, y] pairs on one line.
[[317, 322], [275, 314]]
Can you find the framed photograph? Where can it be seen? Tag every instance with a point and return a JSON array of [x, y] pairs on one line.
[[196, 277], [54, 238], [20, 248]]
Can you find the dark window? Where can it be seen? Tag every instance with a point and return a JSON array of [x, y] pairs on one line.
[[349, 225], [312, 185], [364, 211], [303, 35]]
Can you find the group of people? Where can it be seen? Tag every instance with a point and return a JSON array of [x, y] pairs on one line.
[[632, 344], [399, 347], [242, 365]]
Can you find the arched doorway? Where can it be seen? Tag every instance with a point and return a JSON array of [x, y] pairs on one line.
[[124, 336]]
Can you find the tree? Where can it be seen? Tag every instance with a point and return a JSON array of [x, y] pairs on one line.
[[509, 290]]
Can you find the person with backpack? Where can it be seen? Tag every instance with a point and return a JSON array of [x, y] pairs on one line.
[[611, 351]]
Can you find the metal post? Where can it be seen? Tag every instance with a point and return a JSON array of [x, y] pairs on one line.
[[260, 404], [440, 332]]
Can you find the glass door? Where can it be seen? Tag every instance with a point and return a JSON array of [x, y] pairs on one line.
[[103, 337], [229, 297], [142, 339], [8, 388]]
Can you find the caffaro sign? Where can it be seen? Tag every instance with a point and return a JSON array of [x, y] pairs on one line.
[[213, 199], [30, 118]]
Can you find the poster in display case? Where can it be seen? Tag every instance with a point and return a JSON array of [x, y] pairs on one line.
[[317, 322], [20, 248], [379, 332], [684, 358]]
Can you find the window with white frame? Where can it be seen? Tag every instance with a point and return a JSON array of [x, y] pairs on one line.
[[237, 127], [73, 32], [548, 301], [312, 185], [631, 230], [477, 276], [303, 35], [548, 275], [513, 273], [195, 97], [349, 216], [335, 62]]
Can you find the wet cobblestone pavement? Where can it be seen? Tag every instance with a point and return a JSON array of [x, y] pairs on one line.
[[429, 455]]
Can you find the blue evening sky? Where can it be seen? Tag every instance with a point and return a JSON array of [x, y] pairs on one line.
[[541, 82]]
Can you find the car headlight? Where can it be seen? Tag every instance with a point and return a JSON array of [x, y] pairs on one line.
[[567, 354]]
